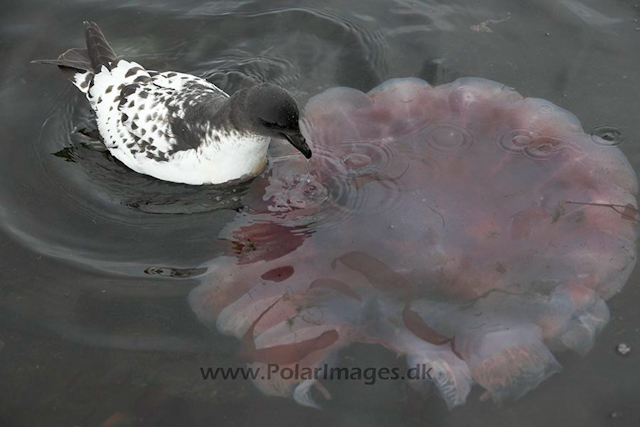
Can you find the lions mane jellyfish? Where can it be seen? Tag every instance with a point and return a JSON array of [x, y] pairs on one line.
[[462, 226]]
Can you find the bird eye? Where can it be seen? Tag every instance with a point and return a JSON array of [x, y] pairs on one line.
[[269, 125]]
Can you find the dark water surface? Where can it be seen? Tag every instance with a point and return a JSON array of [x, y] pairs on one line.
[[97, 261]]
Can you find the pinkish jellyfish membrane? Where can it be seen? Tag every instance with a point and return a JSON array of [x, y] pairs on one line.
[[461, 226]]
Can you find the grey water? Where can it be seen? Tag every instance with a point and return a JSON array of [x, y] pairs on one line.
[[97, 261]]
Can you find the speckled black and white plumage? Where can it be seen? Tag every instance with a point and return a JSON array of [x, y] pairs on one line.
[[155, 124], [173, 126]]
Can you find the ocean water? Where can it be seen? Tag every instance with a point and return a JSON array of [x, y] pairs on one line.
[[97, 261]]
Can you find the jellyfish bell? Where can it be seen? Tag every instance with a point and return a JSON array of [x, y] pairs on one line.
[[463, 226]]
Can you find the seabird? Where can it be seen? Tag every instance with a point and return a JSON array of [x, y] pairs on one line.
[[178, 127]]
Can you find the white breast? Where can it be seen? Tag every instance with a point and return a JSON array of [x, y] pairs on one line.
[[230, 159]]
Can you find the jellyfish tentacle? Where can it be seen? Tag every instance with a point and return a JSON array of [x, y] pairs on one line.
[[302, 393], [453, 380], [335, 285], [414, 323], [509, 362], [577, 330], [379, 274], [446, 372], [580, 335]]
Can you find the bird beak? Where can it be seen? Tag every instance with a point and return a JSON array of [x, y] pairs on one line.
[[298, 141]]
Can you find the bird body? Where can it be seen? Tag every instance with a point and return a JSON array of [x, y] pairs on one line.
[[178, 127]]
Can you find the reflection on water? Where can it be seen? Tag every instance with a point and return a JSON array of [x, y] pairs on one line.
[[98, 261]]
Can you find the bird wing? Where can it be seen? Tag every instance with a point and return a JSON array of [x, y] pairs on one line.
[[181, 81], [147, 114], [154, 110]]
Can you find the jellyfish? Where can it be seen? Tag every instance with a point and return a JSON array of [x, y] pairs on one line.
[[462, 226]]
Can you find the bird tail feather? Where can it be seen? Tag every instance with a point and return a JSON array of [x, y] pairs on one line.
[[80, 64]]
